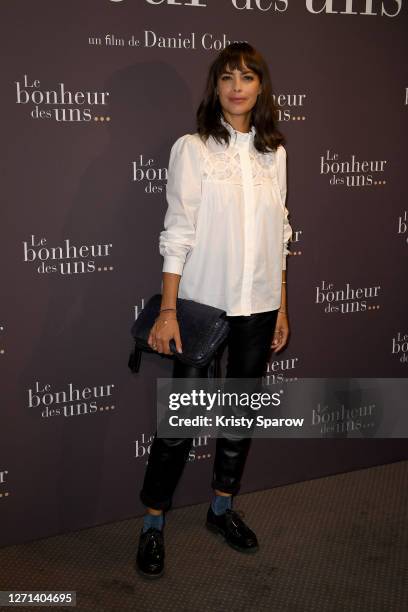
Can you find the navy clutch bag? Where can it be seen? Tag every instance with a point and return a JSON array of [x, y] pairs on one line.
[[203, 329]]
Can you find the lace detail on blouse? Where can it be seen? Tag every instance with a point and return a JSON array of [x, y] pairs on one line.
[[225, 166]]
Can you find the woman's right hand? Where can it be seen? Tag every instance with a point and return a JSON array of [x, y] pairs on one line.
[[164, 329]]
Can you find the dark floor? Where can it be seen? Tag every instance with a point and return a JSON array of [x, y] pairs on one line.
[[335, 544]]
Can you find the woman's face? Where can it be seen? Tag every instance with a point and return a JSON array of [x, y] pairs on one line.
[[238, 90]]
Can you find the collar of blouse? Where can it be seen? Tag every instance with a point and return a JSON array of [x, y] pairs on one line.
[[239, 137]]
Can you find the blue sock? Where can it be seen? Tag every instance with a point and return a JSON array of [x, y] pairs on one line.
[[220, 503], [153, 520]]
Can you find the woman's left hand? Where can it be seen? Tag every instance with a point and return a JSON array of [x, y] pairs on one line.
[[281, 334]]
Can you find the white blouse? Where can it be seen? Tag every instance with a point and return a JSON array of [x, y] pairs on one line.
[[226, 228]]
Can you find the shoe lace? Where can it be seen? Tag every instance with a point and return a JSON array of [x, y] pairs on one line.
[[237, 516], [153, 537]]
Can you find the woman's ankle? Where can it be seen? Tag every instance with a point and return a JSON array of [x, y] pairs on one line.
[[154, 511]]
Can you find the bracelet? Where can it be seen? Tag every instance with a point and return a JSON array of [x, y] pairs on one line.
[[163, 309], [283, 282]]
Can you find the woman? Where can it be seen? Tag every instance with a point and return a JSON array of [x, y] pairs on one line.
[[224, 244]]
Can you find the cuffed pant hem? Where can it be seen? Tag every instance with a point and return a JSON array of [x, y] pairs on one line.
[[220, 486], [154, 503]]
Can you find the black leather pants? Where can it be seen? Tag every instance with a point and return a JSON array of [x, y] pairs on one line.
[[248, 342]]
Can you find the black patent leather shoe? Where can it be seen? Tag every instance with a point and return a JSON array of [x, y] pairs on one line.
[[150, 553], [236, 533]]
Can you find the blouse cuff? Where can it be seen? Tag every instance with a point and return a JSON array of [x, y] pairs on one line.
[[173, 264]]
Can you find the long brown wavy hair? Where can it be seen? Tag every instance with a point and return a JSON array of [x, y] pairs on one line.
[[263, 114]]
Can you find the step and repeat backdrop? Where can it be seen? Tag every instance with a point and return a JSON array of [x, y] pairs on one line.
[[94, 93]]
